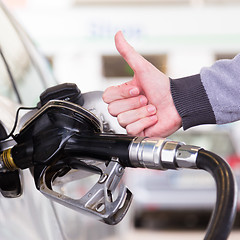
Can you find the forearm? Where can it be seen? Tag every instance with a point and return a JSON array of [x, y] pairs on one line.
[[213, 96]]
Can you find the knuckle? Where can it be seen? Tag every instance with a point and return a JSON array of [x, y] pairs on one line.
[[121, 120], [107, 95], [111, 110], [130, 130]]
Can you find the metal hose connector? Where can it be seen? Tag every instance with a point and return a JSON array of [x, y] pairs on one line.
[[161, 154]]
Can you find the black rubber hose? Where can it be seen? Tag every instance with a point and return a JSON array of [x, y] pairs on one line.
[[224, 213]]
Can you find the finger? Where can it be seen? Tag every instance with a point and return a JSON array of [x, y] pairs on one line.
[[134, 59], [132, 116], [138, 127], [122, 91], [119, 106]]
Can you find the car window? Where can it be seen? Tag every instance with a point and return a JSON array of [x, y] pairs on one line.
[[19, 78]]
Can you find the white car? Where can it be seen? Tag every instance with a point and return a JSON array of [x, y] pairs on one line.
[[24, 75], [184, 197]]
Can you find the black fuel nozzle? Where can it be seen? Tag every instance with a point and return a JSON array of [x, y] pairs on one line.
[[43, 145], [66, 91], [44, 122], [42, 138]]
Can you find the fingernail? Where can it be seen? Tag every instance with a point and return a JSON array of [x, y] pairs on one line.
[[134, 91], [151, 109], [153, 118], [143, 100]]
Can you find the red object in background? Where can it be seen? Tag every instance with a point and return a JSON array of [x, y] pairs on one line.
[[234, 161], [13, 4]]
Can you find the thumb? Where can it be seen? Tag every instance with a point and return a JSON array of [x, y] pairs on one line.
[[134, 59]]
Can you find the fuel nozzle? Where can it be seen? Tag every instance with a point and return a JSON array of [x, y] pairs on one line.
[[42, 145], [162, 154]]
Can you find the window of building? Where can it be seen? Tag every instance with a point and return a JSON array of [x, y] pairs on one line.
[[219, 56], [116, 66]]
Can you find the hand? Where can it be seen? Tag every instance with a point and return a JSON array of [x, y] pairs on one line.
[[144, 105]]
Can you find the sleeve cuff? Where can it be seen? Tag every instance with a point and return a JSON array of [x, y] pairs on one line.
[[191, 101]]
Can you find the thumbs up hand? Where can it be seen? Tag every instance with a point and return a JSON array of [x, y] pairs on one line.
[[144, 105]]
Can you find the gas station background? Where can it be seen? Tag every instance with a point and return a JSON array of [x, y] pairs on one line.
[[177, 36]]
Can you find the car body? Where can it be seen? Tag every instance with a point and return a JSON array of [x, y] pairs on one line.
[[184, 196], [24, 75]]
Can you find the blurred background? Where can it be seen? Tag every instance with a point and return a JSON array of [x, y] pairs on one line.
[[179, 37]]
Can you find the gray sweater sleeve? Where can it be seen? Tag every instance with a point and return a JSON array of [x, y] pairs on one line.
[[213, 96]]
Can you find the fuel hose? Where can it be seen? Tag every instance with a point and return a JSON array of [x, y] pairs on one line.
[[223, 215], [159, 154], [162, 154]]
